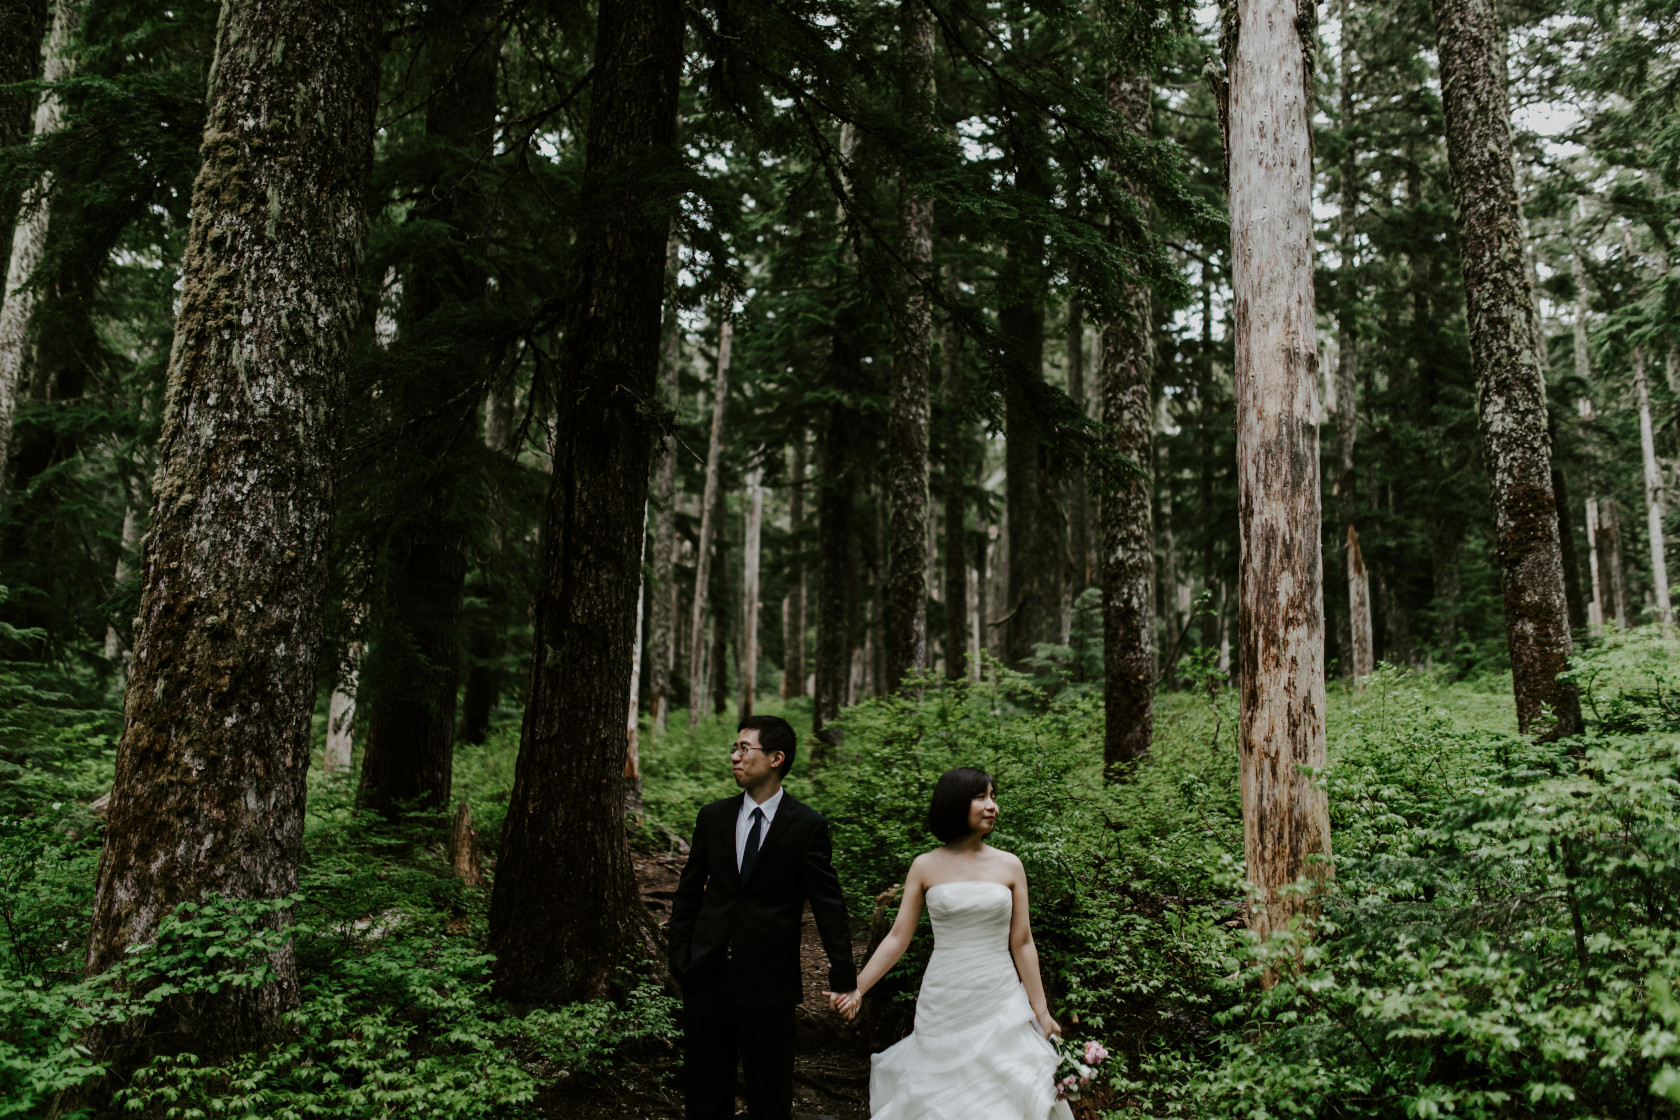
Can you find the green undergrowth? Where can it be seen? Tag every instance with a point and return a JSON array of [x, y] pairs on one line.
[[1499, 939]]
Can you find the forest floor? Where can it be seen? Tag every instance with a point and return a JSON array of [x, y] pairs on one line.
[[831, 1060]]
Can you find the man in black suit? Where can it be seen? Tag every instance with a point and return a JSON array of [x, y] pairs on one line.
[[734, 933]]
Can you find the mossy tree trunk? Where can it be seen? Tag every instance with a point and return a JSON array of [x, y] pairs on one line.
[[565, 911], [1510, 393], [209, 788], [1286, 820], [1128, 546], [413, 670]]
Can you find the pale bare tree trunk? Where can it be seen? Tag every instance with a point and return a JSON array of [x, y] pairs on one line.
[[661, 639], [1362, 660], [957, 623], [27, 23], [749, 589], [114, 644], [1286, 820], [29, 236], [1653, 472], [1510, 393], [1128, 546], [341, 716], [1595, 612], [793, 610], [708, 524]]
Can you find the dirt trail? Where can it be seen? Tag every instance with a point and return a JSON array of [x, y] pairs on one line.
[[830, 1067]]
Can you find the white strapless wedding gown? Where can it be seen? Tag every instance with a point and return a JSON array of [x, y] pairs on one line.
[[977, 1052]]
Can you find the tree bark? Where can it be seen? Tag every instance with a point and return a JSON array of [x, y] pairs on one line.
[[793, 611], [485, 644], [1653, 491], [722, 618], [1128, 558], [906, 637], [29, 236], [1510, 394], [565, 911], [1362, 658], [1596, 608], [341, 716], [749, 590], [708, 518], [209, 790], [1571, 564], [26, 23], [1360, 662], [663, 621], [1080, 568], [956, 508], [632, 744], [1286, 823], [1610, 543], [413, 672]]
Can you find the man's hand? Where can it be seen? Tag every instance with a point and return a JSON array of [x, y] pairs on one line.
[[846, 1003]]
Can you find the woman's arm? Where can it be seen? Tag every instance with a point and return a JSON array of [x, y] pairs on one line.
[[1021, 947], [890, 949]]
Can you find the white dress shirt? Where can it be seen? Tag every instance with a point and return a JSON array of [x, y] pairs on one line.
[[743, 822]]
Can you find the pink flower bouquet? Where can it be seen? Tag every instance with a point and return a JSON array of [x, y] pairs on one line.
[[1076, 1065]]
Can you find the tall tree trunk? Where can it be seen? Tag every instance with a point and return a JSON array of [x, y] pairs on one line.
[[414, 665], [1361, 648], [485, 644], [1286, 822], [663, 620], [341, 716], [633, 728], [722, 618], [906, 638], [1653, 491], [1036, 542], [114, 644], [209, 789], [1510, 395], [565, 911], [1583, 370], [793, 610], [956, 466], [1347, 373], [1571, 564], [1078, 490], [1596, 610], [708, 520], [1128, 558], [749, 590], [26, 23], [1617, 605], [29, 236]]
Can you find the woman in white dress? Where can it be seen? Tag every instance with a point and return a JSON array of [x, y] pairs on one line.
[[980, 1049]]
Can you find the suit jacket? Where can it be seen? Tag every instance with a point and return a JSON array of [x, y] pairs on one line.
[[747, 933]]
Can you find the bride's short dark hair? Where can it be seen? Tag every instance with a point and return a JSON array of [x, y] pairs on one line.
[[953, 793]]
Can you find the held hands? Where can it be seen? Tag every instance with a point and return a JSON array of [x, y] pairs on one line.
[[1049, 1026], [846, 1003]]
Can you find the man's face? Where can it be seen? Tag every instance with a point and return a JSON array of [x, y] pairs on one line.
[[752, 767]]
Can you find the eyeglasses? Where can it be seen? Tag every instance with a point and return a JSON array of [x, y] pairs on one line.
[[742, 751]]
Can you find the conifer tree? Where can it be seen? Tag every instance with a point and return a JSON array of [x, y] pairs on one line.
[[209, 788], [565, 910], [1510, 396]]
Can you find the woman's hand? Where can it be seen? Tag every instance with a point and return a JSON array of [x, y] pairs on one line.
[[1049, 1026], [846, 1003]]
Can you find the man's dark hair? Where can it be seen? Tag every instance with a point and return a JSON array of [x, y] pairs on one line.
[[774, 734], [953, 794]]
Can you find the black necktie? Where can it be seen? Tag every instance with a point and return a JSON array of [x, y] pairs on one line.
[[751, 853]]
